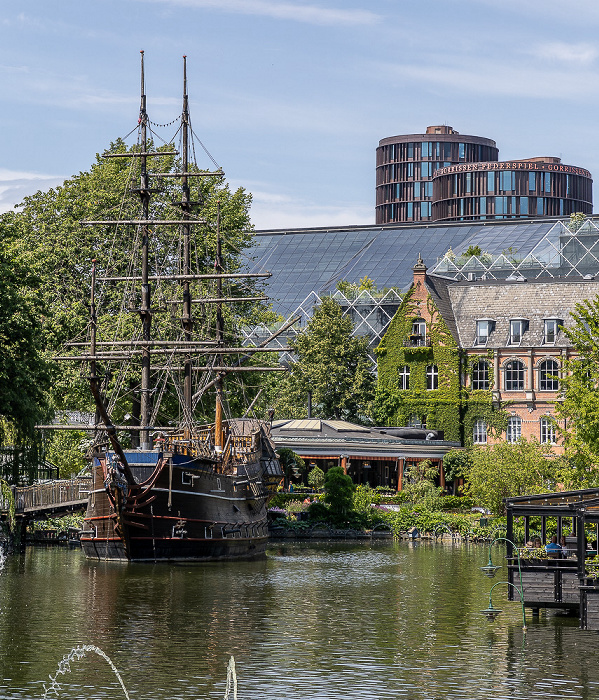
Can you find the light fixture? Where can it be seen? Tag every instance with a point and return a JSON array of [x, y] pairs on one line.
[[491, 613]]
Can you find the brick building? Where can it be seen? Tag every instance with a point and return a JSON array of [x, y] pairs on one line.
[[494, 373]]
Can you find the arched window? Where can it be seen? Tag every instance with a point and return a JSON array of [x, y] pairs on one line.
[[404, 377], [514, 429], [479, 432], [548, 376], [514, 375], [432, 377], [547, 430], [480, 375]]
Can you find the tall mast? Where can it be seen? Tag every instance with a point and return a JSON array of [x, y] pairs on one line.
[[145, 312], [186, 214], [220, 333]]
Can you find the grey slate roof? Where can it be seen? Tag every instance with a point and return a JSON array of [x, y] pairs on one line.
[[438, 288], [535, 300], [307, 260]]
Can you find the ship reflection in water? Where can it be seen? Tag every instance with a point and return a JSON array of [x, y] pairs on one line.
[[337, 621]]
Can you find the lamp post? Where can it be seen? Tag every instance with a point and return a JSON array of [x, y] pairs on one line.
[[490, 570]]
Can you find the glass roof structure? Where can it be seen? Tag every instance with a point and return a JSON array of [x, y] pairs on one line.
[[566, 250], [306, 261]]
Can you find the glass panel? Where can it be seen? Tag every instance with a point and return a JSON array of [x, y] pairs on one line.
[[416, 190], [532, 181], [550, 331], [547, 182], [547, 430], [539, 206], [482, 332], [514, 376], [404, 378], [479, 432], [523, 206], [480, 375], [514, 429], [425, 209], [482, 205], [432, 377], [548, 376], [515, 332], [462, 151]]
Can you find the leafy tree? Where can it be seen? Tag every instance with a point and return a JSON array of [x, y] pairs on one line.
[[66, 449], [420, 483], [510, 469], [24, 372], [332, 365], [580, 386], [48, 230], [316, 478], [339, 492], [456, 464], [291, 463]]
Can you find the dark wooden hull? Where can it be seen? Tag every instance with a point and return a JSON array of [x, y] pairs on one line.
[[181, 509]]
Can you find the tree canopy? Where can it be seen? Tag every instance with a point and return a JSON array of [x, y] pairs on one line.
[[45, 278], [580, 387], [332, 365]]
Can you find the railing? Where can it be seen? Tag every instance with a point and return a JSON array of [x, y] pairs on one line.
[[52, 495]]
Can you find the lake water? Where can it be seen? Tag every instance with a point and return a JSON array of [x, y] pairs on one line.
[[332, 620]]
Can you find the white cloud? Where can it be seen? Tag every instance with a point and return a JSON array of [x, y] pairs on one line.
[[582, 54], [16, 185], [311, 14], [271, 210]]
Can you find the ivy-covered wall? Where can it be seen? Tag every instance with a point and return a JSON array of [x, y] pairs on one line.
[[452, 408]]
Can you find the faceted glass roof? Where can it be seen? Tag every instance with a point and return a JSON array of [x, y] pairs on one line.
[[303, 261], [565, 250]]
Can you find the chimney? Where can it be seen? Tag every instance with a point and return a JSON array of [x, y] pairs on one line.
[[419, 271]]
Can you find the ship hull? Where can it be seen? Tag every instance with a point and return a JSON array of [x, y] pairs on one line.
[[180, 509]]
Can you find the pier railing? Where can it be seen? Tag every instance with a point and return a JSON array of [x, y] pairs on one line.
[[54, 495]]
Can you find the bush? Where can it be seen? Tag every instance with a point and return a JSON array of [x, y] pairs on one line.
[[339, 492], [318, 511]]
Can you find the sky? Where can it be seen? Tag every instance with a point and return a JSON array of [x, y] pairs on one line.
[[290, 96]]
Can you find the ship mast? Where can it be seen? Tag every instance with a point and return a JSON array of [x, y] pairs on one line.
[[186, 215], [220, 333], [145, 311]]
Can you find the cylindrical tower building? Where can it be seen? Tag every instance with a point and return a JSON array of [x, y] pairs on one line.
[[531, 188], [405, 166]]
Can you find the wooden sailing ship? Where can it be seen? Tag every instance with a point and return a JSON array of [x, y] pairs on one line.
[[193, 491]]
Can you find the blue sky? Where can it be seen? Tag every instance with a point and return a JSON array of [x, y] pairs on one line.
[[291, 97]]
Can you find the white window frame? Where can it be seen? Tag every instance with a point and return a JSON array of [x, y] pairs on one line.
[[547, 430], [521, 383], [404, 378], [419, 328], [479, 432], [514, 429], [483, 331], [546, 324], [554, 374], [517, 330], [480, 376], [432, 377]]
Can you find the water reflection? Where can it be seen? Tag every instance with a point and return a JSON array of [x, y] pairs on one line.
[[342, 620]]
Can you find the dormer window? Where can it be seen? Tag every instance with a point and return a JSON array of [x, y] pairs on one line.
[[418, 335], [518, 326], [484, 326], [551, 330]]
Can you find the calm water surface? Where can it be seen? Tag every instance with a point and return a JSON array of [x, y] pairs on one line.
[[336, 621]]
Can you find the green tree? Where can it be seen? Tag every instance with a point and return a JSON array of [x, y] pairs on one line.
[[24, 373], [291, 463], [316, 478], [456, 464], [580, 387], [48, 228], [510, 469], [339, 493], [332, 365]]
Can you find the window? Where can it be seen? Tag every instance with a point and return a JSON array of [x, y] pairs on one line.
[[483, 329], [514, 376], [410, 210], [480, 375], [479, 432], [551, 329], [547, 182], [491, 182], [461, 151], [548, 376], [425, 209], [540, 201], [426, 169], [416, 190], [507, 180], [523, 206], [514, 429], [410, 150], [483, 205], [468, 183], [410, 170], [500, 205], [428, 189], [418, 336], [532, 179], [517, 329], [547, 430], [404, 378], [416, 422], [427, 149], [432, 377]]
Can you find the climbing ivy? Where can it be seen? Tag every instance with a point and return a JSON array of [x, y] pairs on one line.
[[452, 408]]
